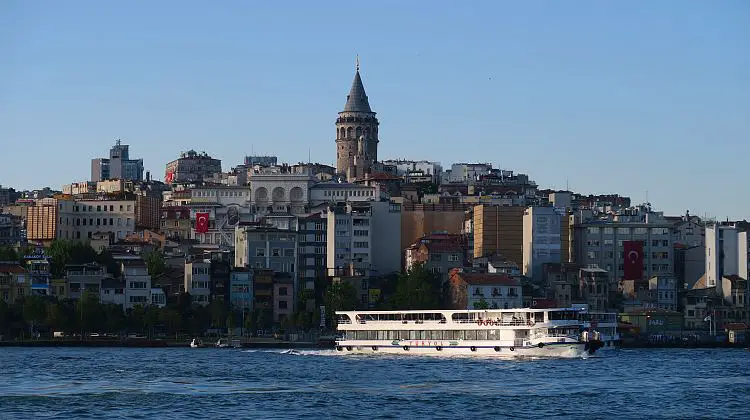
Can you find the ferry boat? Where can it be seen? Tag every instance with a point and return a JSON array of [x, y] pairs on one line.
[[604, 323], [556, 332]]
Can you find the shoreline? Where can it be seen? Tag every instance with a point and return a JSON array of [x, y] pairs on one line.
[[264, 344], [163, 344]]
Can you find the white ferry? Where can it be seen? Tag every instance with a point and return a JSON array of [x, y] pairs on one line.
[[500, 332]]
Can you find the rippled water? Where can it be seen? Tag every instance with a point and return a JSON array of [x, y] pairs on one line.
[[233, 384]]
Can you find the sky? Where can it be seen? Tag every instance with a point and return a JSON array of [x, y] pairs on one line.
[[646, 99]]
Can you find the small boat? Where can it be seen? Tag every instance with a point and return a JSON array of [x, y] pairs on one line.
[[222, 344], [196, 343]]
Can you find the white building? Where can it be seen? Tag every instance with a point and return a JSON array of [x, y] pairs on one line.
[[158, 298], [475, 290], [663, 292], [467, 172], [82, 219], [112, 292], [541, 239], [726, 254], [404, 167], [198, 281], [137, 283], [340, 192], [363, 238]]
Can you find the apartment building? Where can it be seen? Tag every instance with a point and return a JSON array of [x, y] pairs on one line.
[[198, 281], [726, 254], [599, 241], [137, 283], [541, 239], [498, 230]]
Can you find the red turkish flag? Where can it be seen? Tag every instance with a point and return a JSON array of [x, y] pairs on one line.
[[633, 260], [201, 222]]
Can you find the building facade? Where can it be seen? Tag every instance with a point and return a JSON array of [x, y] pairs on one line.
[[191, 166], [117, 166], [241, 289], [198, 281], [484, 291], [541, 239], [599, 241], [726, 254]]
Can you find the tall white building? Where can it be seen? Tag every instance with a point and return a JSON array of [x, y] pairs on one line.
[[137, 283], [363, 238], [541, 239], [726, 254], [198, 281]]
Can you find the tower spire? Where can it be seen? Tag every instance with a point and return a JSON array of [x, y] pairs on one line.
[[357, 62]]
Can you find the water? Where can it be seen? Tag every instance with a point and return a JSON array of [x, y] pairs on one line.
[[266, 384]]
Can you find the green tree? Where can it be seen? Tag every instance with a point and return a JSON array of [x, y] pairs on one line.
[[34, 311], [340, 296], [90, 313], [114, 316], [218, 311], [9, 254], [155, 262], [171, 317], [482, 304], [418, 288]]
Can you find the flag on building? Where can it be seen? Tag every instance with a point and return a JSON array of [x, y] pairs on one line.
[[706, 319], [633, 260], [201, 222]]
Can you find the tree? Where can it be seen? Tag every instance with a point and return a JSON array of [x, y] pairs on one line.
[[418, 288], [34, 311], [340, 296], [171, 317], [8, 254], [482, 304], [218, 311], [155, 262]]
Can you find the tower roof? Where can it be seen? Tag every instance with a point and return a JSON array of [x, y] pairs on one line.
[[356, 101]]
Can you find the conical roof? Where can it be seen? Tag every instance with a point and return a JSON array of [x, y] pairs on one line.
[[356, 101]]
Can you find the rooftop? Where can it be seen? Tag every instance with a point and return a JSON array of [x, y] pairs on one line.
[[487, 279]]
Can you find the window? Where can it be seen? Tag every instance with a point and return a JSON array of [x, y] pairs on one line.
[[609, 231], [98, 208], [623, 230], [282, 304], [436, 257], [276, 252], [592, 230], [283, 291], [453, 257], [288, 252], [641, 231]]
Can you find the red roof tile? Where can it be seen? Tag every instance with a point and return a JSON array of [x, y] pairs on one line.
[[8, 268], [487, 279]]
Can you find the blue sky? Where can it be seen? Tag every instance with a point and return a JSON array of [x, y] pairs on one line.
[[614, 97]]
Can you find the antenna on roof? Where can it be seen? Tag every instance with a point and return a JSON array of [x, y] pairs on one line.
[[357, 62]]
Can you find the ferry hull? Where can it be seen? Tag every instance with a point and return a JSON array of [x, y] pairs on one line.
[[566, 350]]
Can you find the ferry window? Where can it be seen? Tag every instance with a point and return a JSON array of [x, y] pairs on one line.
[[435, 335], [404, 335], [382, 335], [471, 335], [372, 335], [424, 335], [413, 335], [482, 335]]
